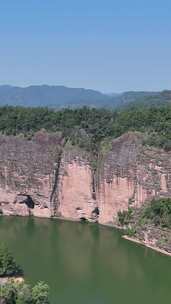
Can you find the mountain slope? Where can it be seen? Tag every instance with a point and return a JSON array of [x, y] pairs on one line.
[[51, 96], [60, 97]]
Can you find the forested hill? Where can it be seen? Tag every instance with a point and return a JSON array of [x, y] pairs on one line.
[[89, 127], [61, 97], [50, 96]]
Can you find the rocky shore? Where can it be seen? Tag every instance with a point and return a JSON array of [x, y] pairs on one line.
[[13, 279], [146, 244]]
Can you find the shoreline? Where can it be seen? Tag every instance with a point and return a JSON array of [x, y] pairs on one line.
[[15, 279], [137, 241], [126, 237]]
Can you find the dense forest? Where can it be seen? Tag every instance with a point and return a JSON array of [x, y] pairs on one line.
[[88, 127]]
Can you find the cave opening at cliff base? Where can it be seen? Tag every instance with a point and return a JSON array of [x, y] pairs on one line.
[[26, 199]]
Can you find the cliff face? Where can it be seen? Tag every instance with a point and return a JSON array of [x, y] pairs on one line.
[[26, 174], [43, 178]]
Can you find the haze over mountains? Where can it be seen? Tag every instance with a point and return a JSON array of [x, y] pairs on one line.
[[61, 96]]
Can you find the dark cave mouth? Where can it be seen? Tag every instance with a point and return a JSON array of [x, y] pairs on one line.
[[83, 219], [27, 200]]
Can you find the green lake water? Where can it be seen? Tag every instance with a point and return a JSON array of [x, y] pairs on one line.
[[86, 263]]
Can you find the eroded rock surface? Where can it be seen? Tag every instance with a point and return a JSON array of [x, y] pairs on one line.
[[43, 178], [26, 173], [76, 199], [132, 174]]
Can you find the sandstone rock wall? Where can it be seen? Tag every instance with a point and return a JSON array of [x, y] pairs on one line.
[[42, 178], [132, 174], [26, 171]]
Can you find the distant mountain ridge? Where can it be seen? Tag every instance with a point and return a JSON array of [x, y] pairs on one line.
[[61, 96]]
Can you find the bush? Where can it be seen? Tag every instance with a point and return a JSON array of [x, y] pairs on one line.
[[124, 217], [40, 293], [131, 231], [159, 212], [8, 293], [21, 293], [24, 294]]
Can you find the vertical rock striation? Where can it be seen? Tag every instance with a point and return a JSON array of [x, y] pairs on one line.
[[44, 177], [76, 191], [130, 175], [27, 170]]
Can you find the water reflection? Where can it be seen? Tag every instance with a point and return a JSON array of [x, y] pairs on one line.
[[86, 263]]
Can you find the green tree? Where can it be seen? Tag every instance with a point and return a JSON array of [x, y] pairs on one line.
[[8, 265], [24, 294], [159, 212], [40, 293], [8, 293]]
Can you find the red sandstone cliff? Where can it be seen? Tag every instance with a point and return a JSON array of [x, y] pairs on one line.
[[41, 178]]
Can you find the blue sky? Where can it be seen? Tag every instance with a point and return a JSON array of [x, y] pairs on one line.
[[107, 45]]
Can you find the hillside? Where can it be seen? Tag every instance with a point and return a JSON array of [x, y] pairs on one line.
[[51, 96], [60, 97]]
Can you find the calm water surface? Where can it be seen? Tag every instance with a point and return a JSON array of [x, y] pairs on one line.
[[86, 263]]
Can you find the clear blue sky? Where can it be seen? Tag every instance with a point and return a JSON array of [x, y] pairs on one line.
[[107, 45]]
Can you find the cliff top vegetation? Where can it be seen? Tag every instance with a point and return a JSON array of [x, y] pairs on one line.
[[88, 127]]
